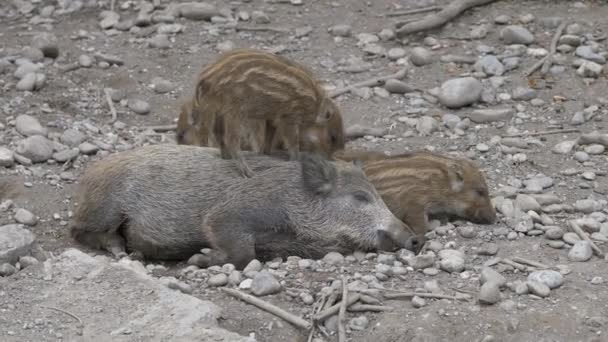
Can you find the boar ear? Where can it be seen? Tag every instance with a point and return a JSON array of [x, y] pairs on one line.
[[319, 175], [456, 177]]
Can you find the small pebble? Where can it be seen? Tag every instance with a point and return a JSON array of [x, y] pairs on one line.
[[538, 288], [418, 302], [138, 106], [581, 251]]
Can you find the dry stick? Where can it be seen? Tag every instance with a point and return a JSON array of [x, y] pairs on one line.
[[342, 312], [413, 11], [534, 134], [584, 236], [262, 29], [161, 128], [402, 295], [594, 137], [318, 306], [530, 262], [405, 22], [275, 310], [358, 307], [535, 66], [440, 18], [112, 109], [512, 263], [553, 48], [377, 81], [80, 325], [332, 310]]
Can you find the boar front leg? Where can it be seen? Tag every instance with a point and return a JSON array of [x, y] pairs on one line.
[[228, 135], [229, 242], [269, 135]]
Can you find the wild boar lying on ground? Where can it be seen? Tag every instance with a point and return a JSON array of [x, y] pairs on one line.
[[170, 201]]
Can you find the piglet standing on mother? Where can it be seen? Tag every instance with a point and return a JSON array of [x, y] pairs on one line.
[[137, 201]]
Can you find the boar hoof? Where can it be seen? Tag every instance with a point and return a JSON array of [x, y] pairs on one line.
[[209, 258], [136, 255]]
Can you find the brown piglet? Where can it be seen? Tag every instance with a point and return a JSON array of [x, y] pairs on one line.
[[247, 87], [418, 184]]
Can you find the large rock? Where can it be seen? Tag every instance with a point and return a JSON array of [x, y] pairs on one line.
[[15, 242], [28, 125], [460, 92], [116, 301], [36, 148]]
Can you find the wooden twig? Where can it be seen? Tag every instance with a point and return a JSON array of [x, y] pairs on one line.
[[275, 310], [112, 109], [358, 307], [404, 22], [372, 82], [262, 29], [535, 66], [512, 263], [553, 48], [112, 2], [535, 134], [79, 326], [575, 227], [440, 18], [471, 292], [161, 128], [413, 11], [530, 262], [342, 312], [402, 295], [318, 307], [332, 310]]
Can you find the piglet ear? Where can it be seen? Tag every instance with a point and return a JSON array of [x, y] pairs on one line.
[[326, 111], [456, 177], [318, 174]]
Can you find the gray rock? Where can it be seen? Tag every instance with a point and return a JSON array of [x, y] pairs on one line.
[[397, 87], [395, 53], [467, 232], [162, 86], [581, 156], [65, 155], [490, 65], [264, 284], [490, 275], [526, 203], [138, 106], [260, 17], [589, 69], [570, 39], [538, 288], [490, 115], [420, 56], [421, 261], [460, 92], [489, 249], [88, 148], [341, 30], [27, 261], [552, 279], [554, 233], [7, 270], [26, 68], [333, 258], [387, 259], [6, 157], [571, 238], [489, 293], [427, 125], [586, 206], [515, 34], [581, 251], [73, 137], [502, 19], [27, 83], [253, 266], [197, 10], [29, 125], [36, 148], [524, 94], [595, 149], [564, 147], [358, 323], [26, 217], [219, 279], [85, 61], [418, 302], [47, 43], [167, 315], [587, 53], [15, 242], [451, 260], [108, 19], [160, 41], [235, 278]]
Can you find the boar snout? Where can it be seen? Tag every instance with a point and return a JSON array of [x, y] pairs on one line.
[[399, 235], [484, 215]]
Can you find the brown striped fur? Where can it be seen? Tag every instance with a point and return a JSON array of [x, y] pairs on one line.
[[417, 184], [246, 88]]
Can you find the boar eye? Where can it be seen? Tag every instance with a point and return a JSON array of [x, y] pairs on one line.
[[362, 197]]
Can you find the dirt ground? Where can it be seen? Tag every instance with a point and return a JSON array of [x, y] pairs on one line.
[[576, 311]]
